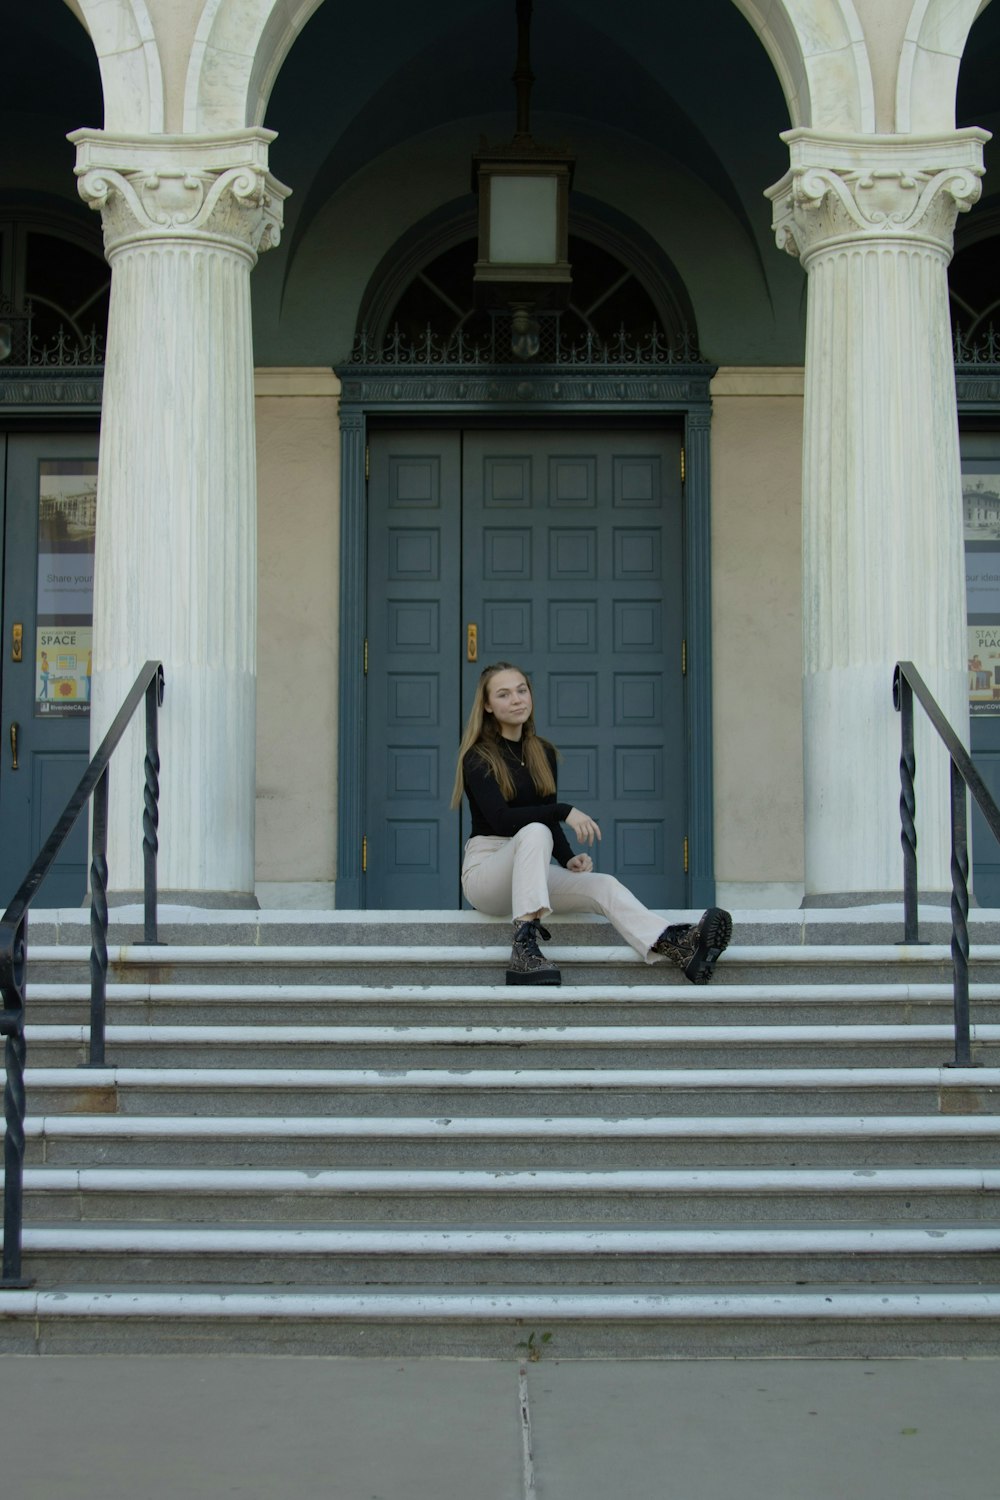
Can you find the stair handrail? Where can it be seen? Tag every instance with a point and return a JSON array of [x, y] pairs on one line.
[[907, 683], [149, 685]]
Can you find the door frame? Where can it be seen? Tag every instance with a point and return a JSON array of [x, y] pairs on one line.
[[528, 396]]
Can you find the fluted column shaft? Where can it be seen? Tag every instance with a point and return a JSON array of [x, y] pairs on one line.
[[883, 563], [176, 551]]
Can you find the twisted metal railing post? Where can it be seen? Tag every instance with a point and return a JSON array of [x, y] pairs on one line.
[[99, 923], [14, 946], [151, 807], [12, 976], [908, 684], [903, 698], [959, 917]]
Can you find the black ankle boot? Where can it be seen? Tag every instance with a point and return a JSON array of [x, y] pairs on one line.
[[695, 949], [528, 965]]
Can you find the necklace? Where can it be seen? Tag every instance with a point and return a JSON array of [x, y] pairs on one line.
[[516, 748]]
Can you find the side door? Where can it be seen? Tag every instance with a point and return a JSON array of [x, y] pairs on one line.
[[50, 498], [413, 682], [572, 570], [981, 503]]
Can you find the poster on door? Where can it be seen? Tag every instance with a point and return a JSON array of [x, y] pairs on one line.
[[981, 505], [63, 661], [64, 604], [984, 670]]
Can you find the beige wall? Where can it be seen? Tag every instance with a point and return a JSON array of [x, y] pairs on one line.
[[298, 484], [757, 634]]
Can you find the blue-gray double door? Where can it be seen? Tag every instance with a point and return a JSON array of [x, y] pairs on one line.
[[562, 548]]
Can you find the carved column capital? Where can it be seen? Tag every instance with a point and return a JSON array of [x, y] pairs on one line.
[[209, 189], [887, 189]]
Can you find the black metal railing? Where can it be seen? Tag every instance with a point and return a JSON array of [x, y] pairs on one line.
[[907, 683], [30, 339], [490, 343], [14, 928]]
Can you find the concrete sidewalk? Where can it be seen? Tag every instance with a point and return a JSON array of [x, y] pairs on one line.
[[263, 1428]]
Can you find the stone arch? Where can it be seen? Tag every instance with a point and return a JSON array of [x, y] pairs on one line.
[[131, 75], [818, 50], [237, 53], [931, 55]]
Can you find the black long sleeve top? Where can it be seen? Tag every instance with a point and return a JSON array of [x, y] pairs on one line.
[[492, 814]]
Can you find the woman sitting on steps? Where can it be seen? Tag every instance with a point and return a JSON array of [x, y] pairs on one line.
[[508, 774]]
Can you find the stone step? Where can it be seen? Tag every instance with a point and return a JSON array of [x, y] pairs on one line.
[[442, 1197], [570, 1047], [411, 929], [563, 1323], [526, 1254], [592, 964], [785, 927], [514, 1142], [421, 1159], [498, 1005], [440, 1091]]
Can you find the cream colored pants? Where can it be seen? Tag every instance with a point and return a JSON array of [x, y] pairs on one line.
[[512, 877]]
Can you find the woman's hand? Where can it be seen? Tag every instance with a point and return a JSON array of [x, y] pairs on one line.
[[580, 864], [584, 826]]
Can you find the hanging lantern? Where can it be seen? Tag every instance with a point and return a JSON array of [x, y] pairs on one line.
[[523, 192], [523, 225]]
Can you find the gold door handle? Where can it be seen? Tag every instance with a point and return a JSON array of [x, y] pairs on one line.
[[13, 746], [17, 643], [471, 643]]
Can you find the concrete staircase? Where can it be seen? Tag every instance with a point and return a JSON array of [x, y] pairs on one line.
[[343, 1135]]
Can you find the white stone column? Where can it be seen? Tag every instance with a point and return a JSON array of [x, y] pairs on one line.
[[883, 566], [176, 565]]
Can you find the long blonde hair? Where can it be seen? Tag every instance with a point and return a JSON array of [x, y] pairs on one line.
[[482, 734]]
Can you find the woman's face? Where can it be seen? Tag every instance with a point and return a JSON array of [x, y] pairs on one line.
[[508, 698]]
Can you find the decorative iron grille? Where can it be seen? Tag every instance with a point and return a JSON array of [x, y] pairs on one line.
[[982, 349], [977, 371], [495, 345], [21, 347]]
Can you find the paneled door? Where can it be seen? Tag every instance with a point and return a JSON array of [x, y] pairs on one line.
[[563, 550], [49, 494], [572, 569], [413, 673]]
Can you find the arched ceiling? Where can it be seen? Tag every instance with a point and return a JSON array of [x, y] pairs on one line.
[[978, 95], [50, 67], [648, 74], [978, 103]]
